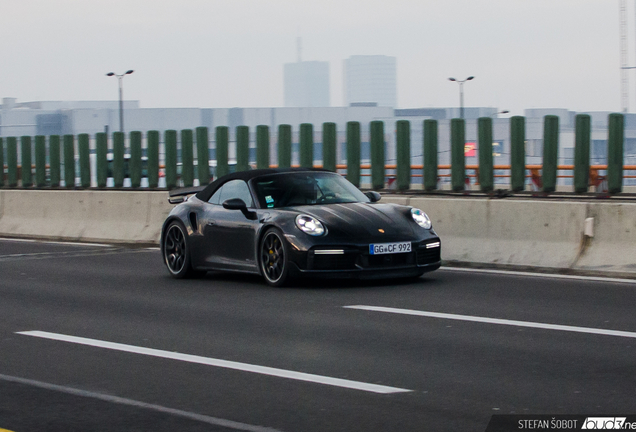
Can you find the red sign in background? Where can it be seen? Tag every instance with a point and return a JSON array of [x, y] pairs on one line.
[[469, 149]]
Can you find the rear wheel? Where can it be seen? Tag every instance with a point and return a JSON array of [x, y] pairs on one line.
[[274, 258], [176, 254]]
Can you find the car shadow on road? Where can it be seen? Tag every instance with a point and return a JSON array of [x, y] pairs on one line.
[[320, 283]]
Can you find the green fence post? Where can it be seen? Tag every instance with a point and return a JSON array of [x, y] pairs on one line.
[[54, 160], [486, 174], [170, 138], [458, 161], [187, 157], [284, 145], [118, 159], [403, 142], [101, 156], [329, 146], [1, 162], [306, 145], [222, 137], [616, 136], [582, 153], [134, 165], [84, 160], [262, 146], [40, 161], [203, 155], [377, 154], [550, 153], [69, 161], [242, 148], [517, 153], [27, 161], [152, 153], [430, 155], [353, 153], [12, 161]]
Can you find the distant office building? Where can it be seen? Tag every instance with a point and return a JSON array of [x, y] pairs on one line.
[[306, 84], [370, 79]]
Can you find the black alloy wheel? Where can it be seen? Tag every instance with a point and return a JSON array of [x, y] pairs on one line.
[[273, 258], [176, 254]]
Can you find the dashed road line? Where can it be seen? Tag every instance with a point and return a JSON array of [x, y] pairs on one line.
[[130, 402], [530, 324], [245, 367]]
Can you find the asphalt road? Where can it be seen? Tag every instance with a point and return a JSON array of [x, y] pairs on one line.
[[102, 339]]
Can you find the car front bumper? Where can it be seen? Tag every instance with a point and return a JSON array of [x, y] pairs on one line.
[[354, 261]]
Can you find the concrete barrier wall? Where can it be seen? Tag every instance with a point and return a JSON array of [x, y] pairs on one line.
[[537, 233], [613, 247], [115, 216], [519, 232], [506, 232]]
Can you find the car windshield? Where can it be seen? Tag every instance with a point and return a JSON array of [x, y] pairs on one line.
[[305, 188]]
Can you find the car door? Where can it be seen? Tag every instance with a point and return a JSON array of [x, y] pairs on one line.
[[229, 236]]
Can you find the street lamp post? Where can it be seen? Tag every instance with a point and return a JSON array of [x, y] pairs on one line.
[[461, 93], [121, 96]]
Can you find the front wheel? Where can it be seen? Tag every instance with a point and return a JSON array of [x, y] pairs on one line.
[[273, 258], [176, 254]]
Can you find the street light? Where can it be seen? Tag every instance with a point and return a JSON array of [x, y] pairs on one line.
[[121, 97], [461, 93]]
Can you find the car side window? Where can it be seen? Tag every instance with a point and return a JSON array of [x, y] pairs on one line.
[[215, 199], [235, 189]]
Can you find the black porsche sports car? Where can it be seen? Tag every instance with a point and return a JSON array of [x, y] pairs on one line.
[[295, 222]]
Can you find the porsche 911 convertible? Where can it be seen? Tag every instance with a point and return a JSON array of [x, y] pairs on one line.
[[297, 222]]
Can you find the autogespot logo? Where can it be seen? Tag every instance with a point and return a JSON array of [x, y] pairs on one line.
[[605, 423]]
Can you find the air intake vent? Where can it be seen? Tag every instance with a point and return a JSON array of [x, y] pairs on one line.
[[193, 221]]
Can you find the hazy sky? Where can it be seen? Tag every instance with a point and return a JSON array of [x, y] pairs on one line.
[[230, 53]]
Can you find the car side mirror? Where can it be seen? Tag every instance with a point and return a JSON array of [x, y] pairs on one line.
[[239, 204], [373, 196], [235, 204]]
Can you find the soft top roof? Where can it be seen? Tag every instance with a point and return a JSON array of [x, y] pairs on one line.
[[206, 193]]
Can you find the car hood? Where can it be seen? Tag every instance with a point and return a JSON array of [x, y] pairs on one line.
[[363, 221]]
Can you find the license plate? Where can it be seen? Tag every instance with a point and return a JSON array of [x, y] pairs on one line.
[[389, 248]]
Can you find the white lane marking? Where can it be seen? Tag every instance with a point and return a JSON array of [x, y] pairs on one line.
[[130, 402], [8, 239], [264, 370], [499, 321], [544, 275], [34, 254], [66, 254]]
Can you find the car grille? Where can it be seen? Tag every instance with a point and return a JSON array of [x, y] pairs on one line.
[[388, 260], [334, 262], [428, 256]]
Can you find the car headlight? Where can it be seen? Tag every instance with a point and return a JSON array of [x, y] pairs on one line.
[[421, 218], [309, 225]]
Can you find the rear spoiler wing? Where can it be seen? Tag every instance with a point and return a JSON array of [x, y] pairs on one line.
[[180, 193]]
